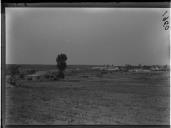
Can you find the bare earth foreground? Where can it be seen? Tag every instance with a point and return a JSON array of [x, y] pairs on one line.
[[114, 98]]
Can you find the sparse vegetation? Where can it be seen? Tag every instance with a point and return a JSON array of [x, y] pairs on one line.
[[14, 74], [51, 76]]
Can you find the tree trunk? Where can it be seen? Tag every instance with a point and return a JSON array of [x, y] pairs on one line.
[[61, 74]]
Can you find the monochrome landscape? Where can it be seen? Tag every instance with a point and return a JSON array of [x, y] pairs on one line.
[[87, 66]]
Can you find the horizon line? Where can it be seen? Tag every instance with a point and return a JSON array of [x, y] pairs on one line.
[[94, 64]]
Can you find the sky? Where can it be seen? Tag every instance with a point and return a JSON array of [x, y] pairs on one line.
[[94, 36]]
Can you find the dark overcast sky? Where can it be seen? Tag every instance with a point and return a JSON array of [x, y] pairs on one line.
[[87, 35]]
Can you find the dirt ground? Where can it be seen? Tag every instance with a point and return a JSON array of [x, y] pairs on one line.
[[113, 98]]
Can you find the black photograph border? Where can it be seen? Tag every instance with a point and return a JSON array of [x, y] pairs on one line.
[[52, 4]]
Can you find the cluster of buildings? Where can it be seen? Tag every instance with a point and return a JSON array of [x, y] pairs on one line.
[[41, 75], [131, 68], [36, 76]]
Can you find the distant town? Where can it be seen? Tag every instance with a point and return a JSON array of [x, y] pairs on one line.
[[133, 68]]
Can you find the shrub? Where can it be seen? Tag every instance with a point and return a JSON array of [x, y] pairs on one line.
[[29, 78], [51, 76], [14, 73]]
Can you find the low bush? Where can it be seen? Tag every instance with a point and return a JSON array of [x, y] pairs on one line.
[[51, 76], [29, 78]]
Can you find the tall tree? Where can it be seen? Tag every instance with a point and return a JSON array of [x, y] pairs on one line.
[[61, 64]]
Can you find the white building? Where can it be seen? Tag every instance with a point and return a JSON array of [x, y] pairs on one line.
[[37, 76]]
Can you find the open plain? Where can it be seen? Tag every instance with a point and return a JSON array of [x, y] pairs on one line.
[[89, 96]]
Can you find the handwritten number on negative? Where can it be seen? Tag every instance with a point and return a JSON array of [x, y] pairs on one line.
[[165, 20]]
